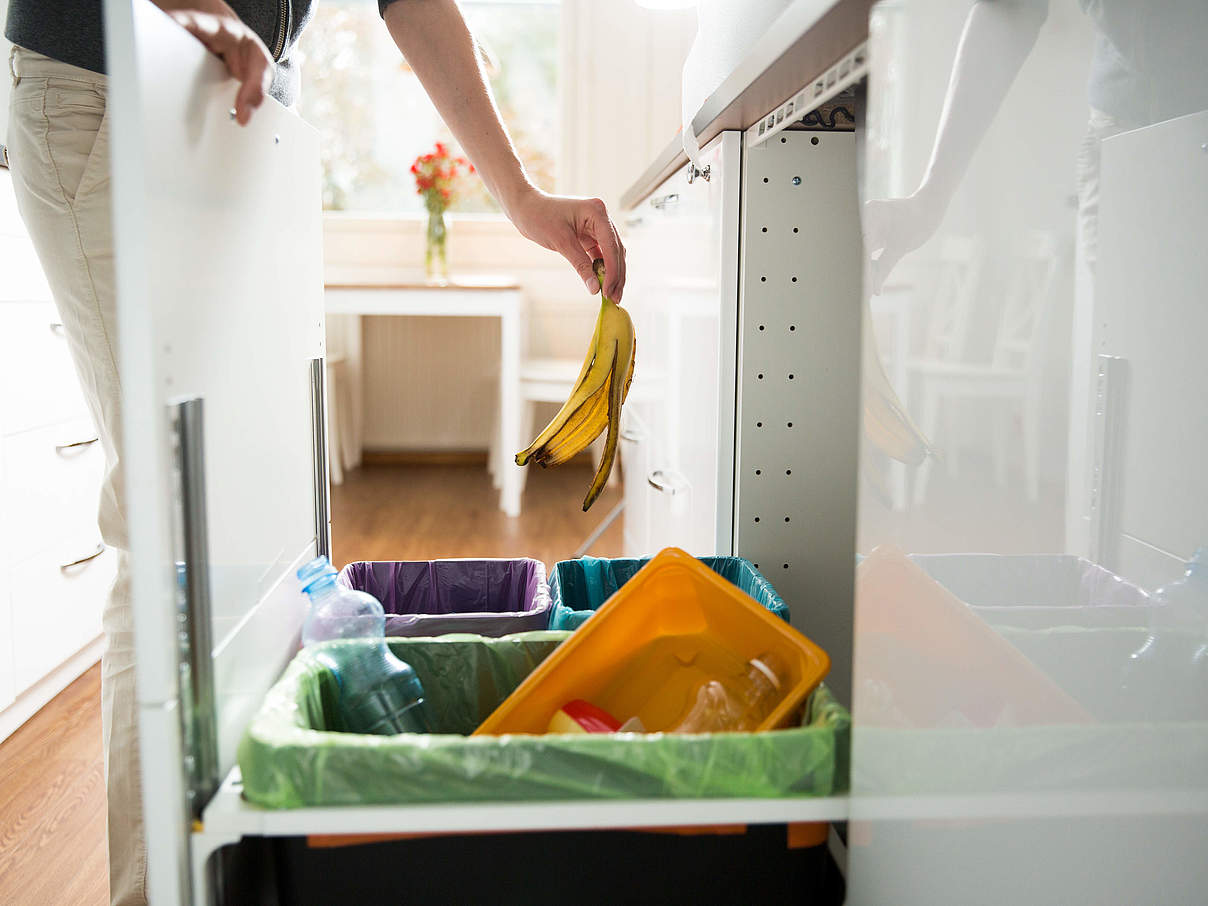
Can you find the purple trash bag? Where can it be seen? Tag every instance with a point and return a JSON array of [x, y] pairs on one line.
[[436, 597]]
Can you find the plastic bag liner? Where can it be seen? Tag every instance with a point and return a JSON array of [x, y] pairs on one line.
[[433, 597], [289, 759], [580, 587]]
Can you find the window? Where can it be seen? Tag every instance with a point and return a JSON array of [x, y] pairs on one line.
[[374, 118]]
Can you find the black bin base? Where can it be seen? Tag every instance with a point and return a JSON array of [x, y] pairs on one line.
[[564, 868]]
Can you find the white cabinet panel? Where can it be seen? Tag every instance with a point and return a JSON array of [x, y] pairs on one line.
[[56, 611], [39, 380], [682, 292], [21, 276], [50, 489]]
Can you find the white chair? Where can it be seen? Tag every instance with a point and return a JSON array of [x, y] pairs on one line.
[[1012, 378]]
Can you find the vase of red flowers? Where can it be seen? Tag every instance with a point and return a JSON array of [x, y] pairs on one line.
[[437, 175]]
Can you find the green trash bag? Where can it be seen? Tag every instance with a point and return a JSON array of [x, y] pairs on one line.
[[580, 587], [289, 759]]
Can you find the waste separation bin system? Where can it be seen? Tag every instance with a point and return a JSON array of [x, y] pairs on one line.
[[580, 587], [290, 758], [434, 597]]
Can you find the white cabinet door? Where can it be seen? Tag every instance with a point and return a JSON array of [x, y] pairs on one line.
[[50, 490], [218, 236], [21, 278], [683, 251], [36, 372], [56, 610]]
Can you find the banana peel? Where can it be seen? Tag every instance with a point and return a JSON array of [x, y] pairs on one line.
[[594, 404], [887, 424]]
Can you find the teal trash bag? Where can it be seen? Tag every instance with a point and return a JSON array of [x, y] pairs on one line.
[[580, 587], [290, 758]]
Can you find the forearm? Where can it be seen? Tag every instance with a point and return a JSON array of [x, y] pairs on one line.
[[439, 48], [997, 38], [208, 6]]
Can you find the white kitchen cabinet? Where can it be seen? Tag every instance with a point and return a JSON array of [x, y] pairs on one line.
[[54, 570], [682, 293]]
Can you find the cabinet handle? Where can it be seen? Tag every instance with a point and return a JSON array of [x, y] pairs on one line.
[[634, 437], [694, 174], [56, 327], [665, 201], [100, 549], [658, 480], [62, 448]]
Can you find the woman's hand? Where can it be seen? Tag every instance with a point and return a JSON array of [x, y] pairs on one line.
[[223, 33], [895, 227], [578, 229]]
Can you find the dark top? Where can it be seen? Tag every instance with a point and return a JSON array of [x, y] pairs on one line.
[[70, 31]]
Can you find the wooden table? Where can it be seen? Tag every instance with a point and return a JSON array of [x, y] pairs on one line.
[[369, 293]]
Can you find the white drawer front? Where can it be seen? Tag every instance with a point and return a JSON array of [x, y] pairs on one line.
[[36, 374], [51, 480], [55, 612]]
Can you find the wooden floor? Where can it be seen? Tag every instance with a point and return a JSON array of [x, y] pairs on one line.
[[426, 513], [52, 803], [52, 791]]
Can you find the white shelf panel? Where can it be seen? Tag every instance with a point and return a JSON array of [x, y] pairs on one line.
[[228, 814]]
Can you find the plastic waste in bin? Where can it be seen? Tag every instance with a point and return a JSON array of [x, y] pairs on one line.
[[378, 693], [289, 758], [672, 627], [580, 587], [433, 597]]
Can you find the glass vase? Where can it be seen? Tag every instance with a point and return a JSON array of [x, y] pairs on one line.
[[436, 259]]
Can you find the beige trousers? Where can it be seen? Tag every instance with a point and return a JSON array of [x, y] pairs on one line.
[[58, 145]]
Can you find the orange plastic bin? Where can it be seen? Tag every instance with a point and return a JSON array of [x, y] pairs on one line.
[[673, 626]]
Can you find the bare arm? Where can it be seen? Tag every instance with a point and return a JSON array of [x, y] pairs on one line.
[[440, 50], [997, 38]]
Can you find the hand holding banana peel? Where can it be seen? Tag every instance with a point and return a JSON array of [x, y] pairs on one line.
[[595, 403]]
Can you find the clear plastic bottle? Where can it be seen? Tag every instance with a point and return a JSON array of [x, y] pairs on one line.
[[336, 612], [379, 693], [1175, 652], [737, 703]]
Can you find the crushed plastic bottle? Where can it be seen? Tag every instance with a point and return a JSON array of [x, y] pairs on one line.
[[740, 703], [379, 693]]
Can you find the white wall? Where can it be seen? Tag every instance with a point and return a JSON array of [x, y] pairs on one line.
[[429, 383]]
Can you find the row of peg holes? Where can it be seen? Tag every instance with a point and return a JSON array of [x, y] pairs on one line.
[[760, 376], [792, 327]]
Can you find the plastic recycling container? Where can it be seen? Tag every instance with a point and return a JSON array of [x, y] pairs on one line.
[[290, 757], [580, 587], [434, 597], [1039, 591]]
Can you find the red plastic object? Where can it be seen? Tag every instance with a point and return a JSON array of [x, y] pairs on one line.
[[578, 716]]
